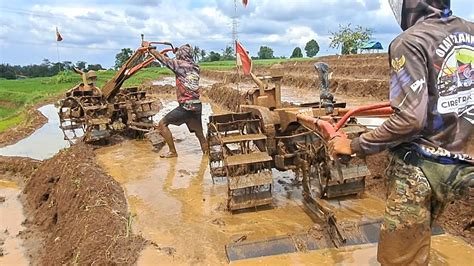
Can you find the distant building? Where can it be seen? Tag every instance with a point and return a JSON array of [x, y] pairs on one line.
[[371, 47]]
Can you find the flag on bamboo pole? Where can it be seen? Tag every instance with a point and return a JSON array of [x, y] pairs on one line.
[[58, 35], [243, 59], [245, 2]]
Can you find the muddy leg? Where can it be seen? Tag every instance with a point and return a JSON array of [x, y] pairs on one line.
[[202, 141], [405, 235], [166, 133]]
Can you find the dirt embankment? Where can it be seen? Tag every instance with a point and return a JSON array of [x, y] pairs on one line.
[[17, 169], [360, 76], [33, 120], [78, 213], [159, 89], [225, 96]]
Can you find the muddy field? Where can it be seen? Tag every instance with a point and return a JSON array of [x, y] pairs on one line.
[[122, 204], [358, 76]]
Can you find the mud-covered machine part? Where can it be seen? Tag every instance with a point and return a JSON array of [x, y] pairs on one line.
[[245, 146], [237, 151], [91, 117], [265, 135], [93, 113]]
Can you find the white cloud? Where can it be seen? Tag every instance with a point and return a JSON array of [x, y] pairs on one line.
[[95, 30]]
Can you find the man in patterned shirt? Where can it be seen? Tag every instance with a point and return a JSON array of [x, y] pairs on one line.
[[432, 95], [189, 110]]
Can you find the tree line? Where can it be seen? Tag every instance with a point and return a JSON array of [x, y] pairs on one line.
[[45, 69], [348, 38], [264, 52]]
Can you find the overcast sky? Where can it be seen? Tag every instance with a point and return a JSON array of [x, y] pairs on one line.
[[95, 30]]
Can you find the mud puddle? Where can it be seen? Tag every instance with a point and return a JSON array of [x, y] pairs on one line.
[[182, 213], [44, 143], [11, 217], [445, 250], [177, 207]]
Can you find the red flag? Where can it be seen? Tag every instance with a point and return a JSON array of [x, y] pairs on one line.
[[58, 35], [243, 58], [245, 2]]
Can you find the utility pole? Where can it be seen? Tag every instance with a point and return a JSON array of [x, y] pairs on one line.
[[234, 39], [234, 23]]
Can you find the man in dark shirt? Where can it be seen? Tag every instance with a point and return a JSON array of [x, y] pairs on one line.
[[189, 110], [432, 95]]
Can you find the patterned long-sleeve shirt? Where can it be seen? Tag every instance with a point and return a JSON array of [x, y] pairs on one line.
[[187, 73], [431, 90]]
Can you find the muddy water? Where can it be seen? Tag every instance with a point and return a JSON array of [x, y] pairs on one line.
[[178, 208], [446, 250], [11, 217], [44, 143], [357, 208]]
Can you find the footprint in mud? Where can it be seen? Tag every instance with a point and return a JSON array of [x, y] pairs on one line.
[[218, 222], [3, 236], [222, 207], [183, 172], [167, 250]]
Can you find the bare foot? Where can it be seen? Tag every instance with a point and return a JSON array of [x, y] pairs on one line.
[[169, 155]]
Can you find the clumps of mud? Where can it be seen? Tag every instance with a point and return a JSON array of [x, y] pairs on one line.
[[78, 213], [17, 168], [226, 97], [458, 218], [375, 184]]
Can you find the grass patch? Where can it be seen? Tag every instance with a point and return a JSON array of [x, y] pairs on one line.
[[225, 65], [11, 121], [6, 112]]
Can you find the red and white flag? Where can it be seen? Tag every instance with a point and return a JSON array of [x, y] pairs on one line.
[[245, 2], [243, 59], [58, 35]]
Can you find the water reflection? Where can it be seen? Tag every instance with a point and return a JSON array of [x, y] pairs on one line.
[[44, 143]]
